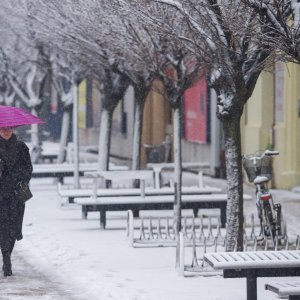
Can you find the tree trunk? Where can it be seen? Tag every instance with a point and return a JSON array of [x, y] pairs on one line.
[[235, 214], [137, 134], [75, 137], [35, 140], [177, 178], [64, 135], [104, 139]]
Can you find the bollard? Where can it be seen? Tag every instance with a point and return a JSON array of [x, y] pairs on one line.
[[181, 254], [130, 227]]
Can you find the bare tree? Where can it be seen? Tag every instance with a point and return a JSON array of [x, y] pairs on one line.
[[281, 21], [123, 57], [67, 73], [177, 67], [26, 61], [88, 43], [7, 94], [134, 56], [222, 34]]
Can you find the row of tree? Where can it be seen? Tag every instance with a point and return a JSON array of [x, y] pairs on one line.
[[135, 42]]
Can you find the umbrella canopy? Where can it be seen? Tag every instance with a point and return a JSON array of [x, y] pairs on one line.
[[11, 116]]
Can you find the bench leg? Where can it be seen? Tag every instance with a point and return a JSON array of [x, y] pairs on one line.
[[223, 216], [84, 212], [251, 287], [195, 211], [136, 213], [102, 219]]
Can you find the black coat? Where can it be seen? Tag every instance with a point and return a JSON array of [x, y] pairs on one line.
[[15, 166]]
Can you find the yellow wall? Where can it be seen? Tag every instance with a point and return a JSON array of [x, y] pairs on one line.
[[156, 117], [258, 116], [287, 138], [258, 120], [82, 104]]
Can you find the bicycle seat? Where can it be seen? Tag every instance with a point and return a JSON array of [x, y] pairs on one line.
[[260, 179]]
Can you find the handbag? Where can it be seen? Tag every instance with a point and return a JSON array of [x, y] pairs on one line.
[[23, 192]]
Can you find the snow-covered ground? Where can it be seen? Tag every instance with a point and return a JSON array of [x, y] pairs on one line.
[[100, 264]]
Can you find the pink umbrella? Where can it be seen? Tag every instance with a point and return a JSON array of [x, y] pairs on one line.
[[11, 116]]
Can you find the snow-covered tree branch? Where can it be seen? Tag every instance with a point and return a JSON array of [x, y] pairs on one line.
[[222, 35]]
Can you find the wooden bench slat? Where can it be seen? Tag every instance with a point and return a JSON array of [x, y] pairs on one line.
[[259, 259], [284, 289], [250, 255]]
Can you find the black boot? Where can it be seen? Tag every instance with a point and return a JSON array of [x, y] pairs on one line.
[[6, 264], [11, 246]]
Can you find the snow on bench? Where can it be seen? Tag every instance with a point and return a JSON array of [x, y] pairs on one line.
[[64, 170], [151, 202], [121, 174], [159, 198], [290, 289], [255, 264], [68, 194], [158, 167], [144, 199], [255, 259], [87, 154], [142, 176]]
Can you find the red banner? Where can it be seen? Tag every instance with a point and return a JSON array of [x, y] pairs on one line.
[[195, 112]]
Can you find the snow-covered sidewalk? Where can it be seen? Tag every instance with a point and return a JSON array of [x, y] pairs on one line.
[[28, 283], [99, 264]]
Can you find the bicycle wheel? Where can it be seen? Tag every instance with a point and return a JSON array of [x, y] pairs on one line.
[[269, 228], [282, 231]]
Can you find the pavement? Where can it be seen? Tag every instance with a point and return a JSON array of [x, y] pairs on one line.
[[29, 283]]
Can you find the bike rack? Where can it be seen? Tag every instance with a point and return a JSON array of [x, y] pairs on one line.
[[159, 231], [201, 234]]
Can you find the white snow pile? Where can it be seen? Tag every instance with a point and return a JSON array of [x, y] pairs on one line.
[[100, 264]]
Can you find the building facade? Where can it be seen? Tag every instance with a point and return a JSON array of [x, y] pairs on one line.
[[271, 120]]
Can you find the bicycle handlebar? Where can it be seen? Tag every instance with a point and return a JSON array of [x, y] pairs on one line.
[[257, 156], [270, 153]]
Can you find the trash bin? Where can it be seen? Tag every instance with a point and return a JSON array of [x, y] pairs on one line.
[[155, 153]]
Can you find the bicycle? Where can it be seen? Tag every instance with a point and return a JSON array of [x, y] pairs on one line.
[[258, 167]]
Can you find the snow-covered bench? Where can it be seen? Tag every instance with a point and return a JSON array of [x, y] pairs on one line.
[[287, 289], [255, 264], [87, 154], [66, 170], [158, 167], [145, 198], [136, 203], [136, 199], [67, 194]]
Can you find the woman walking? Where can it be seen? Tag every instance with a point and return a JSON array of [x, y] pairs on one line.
[[15, 168]]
